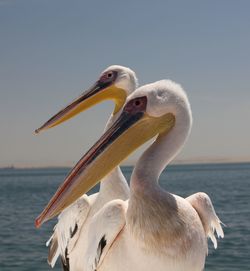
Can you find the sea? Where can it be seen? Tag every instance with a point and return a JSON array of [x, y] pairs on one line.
[[24, 193]]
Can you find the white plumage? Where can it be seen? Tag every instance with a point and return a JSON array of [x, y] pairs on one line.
[[154, 230]]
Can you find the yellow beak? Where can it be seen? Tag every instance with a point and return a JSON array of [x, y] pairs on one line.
[[96, 94], [132, 129]]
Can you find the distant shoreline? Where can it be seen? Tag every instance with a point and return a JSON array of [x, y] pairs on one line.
[[177, 163]]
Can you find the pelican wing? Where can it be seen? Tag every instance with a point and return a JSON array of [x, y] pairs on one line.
[[67, 230], [205, 209], [103, 231]]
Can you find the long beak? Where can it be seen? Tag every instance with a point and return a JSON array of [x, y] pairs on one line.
[[97, 93], [132, 129]]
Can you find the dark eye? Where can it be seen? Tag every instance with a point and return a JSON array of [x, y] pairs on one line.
[[107, 77], [137, 102], [110, 74]]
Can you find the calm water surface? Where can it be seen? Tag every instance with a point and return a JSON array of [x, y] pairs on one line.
[[24, 193]]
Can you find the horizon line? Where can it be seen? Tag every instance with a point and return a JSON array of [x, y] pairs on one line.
[[177, 162]]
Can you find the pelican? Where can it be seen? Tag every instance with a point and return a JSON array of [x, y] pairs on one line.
[[154, 229], [115, 83]]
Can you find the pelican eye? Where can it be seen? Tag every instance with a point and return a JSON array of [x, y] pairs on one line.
[[136, 105], [137, 102], [108, 77], [110, 74]]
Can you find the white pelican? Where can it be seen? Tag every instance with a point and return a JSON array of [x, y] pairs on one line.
[[154, 229], [116, 83]]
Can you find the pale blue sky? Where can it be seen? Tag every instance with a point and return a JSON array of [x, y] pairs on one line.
[[51, 50]]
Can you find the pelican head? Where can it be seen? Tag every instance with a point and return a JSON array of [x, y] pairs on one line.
[[115, 83], [152, 110]]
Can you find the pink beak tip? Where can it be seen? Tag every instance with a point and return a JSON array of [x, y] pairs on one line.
[[38, 222]]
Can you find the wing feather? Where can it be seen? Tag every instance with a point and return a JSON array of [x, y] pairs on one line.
[[105, 226], [205, 209], [67, 230]]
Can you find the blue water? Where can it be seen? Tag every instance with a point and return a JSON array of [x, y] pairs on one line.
[[24, 193]]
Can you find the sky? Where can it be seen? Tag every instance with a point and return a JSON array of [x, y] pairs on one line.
[[52, 50]]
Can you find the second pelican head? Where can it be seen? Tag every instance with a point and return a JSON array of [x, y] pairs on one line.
[[115, 83]]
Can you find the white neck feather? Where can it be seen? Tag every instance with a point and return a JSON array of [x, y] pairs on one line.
[[152, 214], [166, 146]]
